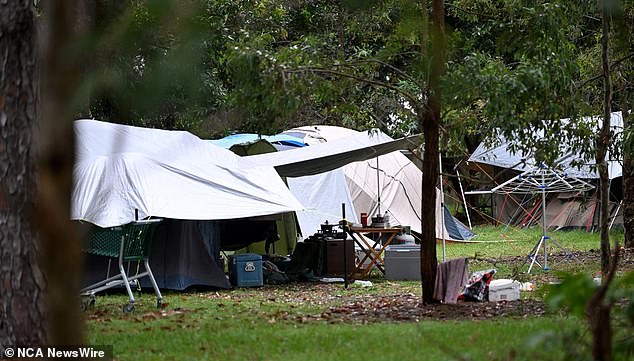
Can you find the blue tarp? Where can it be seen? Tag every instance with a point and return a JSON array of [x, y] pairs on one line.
[[280, 139]]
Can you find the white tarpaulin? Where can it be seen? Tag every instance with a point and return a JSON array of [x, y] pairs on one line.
[[322, 195], [501, 156], [171, 174]]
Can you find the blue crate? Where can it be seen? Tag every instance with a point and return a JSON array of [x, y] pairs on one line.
[[245, 270]]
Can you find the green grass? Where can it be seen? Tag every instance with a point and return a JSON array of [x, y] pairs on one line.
[[244, 325], [499, 242], [506, 249], [283, 323]]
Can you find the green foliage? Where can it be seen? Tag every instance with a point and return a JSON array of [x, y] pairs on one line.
[[156, 63], [328, 64], [514, 66], [573, 293], [514, 72]]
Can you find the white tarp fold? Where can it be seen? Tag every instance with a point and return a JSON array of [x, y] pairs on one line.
[[171, 174]]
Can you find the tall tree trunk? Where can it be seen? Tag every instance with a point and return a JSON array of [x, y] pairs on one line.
[[628, 178], [597, 310], [61, 244], [430, 119], [22, 299], [603, 139]]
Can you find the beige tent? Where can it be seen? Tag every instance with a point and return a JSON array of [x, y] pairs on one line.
[[391, 178]]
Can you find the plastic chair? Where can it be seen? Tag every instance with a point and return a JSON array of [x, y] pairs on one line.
[[127, 243]]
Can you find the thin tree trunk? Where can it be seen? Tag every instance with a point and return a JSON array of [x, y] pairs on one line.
[[61, 244], [430, 119], [603, 140], [597, 310], [598, 314], [22, 283]]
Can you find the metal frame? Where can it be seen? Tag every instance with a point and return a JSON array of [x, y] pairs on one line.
[[541, 179], [122, 278]]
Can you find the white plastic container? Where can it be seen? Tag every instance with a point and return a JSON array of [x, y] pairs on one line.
[[504, 290]]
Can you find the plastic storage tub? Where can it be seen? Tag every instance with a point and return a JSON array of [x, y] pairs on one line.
[[245, 270], [504, 290]]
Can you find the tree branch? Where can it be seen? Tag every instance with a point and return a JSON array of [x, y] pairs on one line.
[[393, 68], [614, 64], [415, 101], [463, 10]]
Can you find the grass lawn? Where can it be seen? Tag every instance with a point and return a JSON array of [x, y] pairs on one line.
[[499, 242], [198, 326], [283, 323]]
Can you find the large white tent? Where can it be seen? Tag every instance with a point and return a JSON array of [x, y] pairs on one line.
[[171, 174]]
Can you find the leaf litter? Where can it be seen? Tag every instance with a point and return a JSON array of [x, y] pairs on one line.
[[386, 301]]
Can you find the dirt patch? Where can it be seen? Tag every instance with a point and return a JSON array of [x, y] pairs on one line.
[[409, 308], [389, 305]]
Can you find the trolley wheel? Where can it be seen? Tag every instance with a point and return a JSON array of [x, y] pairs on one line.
[[159, 303], [83, 306], [128, 307], [91, 301]]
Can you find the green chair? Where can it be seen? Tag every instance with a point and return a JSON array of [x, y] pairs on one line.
[[128, 243]]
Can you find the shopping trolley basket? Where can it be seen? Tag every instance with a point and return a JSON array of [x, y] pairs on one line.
[[128, 243]]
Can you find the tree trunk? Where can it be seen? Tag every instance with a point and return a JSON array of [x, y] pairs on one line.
[[598, 313], [61, 244], [628, 180], [430, 119], [597, 310], [23, 285], [599, 320], [603, 140]]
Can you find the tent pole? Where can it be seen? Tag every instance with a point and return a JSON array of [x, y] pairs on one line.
[[464, 200], [442, 208], [344, 224], [618, 208], [378, 189], [544, 237]]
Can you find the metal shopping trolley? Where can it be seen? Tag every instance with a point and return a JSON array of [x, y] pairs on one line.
[[128, 243]]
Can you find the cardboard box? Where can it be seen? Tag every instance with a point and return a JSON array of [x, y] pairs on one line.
[[504, 290], [402, 262], [245, 270]]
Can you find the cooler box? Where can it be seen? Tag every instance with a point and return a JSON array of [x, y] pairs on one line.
[[402, 262], [504, 290], [245, 270], [334, 257]]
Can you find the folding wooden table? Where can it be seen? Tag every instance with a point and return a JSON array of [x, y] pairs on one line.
[[373, 242]]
